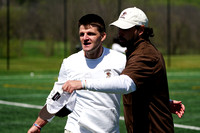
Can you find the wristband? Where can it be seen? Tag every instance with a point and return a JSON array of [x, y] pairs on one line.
[[39, 127]]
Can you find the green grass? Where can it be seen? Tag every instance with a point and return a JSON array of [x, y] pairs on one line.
[[17, 85]]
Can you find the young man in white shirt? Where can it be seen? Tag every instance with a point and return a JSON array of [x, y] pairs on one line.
[[93, 111]]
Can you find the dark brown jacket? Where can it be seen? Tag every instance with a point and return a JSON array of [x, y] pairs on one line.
[[147, 109]]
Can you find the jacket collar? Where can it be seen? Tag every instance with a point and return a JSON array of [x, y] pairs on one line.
[[132, 47]]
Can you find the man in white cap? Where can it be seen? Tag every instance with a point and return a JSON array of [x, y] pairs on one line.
[[147, 107]]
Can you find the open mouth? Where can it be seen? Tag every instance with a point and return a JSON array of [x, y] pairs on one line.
[[86, 43]]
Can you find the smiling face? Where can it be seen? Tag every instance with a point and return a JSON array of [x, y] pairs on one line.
[[91, 41]]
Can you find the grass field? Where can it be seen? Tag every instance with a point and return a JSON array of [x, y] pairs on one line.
[[29, 81]]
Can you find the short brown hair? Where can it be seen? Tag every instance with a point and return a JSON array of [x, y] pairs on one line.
[[94, 20]]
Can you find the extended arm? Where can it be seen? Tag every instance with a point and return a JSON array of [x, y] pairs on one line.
[[119, 84]]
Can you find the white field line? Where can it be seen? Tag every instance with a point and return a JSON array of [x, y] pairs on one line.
[[21, 104], [31, 76], [176, 125], [187, 127], [121, 117]]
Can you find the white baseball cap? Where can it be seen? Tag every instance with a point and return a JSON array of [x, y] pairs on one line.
[[58, 98], [130, 17]]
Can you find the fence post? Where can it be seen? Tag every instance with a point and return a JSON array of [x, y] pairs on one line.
[[8, 34]]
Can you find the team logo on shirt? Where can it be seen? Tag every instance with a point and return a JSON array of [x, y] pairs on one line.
[[108, 73]]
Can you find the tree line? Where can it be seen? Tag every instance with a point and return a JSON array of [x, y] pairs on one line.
[[44, 20]]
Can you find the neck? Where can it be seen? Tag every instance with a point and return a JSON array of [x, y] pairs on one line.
[[131, 43], [94, 54]]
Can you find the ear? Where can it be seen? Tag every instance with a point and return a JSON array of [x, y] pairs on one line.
[[103, 36], [141, 30]]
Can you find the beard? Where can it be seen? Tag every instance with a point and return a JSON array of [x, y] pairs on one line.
[[127, 43], [122, 41]]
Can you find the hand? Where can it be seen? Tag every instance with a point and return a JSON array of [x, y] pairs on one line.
[[177, 108], [33, 129], [72, 85]]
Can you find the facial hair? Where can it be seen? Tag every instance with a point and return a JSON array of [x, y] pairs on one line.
[[128, 43]]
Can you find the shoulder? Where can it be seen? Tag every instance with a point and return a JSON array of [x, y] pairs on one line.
[[148, 48], [75, 56], [146, 53], [72, 61], [114, 53], [145, 50], [114, 57]]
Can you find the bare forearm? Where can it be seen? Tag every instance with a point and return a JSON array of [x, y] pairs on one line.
[[41, 122], [36, 127]]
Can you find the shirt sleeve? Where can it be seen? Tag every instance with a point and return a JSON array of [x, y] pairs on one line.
[[122, 84], [63, 77]]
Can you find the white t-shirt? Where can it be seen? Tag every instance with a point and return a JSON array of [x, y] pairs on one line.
[[94, 111]]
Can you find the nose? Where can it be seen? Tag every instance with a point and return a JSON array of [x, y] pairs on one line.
[[85, 37]]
